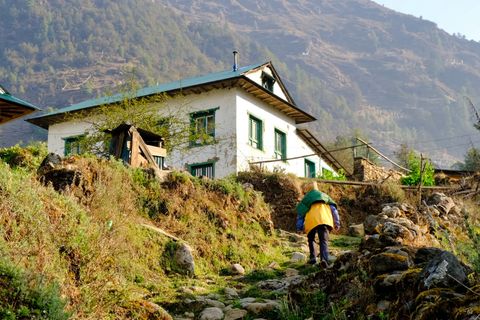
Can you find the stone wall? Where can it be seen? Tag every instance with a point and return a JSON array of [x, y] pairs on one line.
[[365, 170]]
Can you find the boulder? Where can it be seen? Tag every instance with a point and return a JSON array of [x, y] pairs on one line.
[[49, 163], [391, 212], [263, 307], [230, 293], [235, 314], [211, 313], [444, 271], [387, 262], [183, 258], [356, 230], [298, 257], [237, 269]]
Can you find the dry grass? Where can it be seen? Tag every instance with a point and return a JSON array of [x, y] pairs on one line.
[[88, 239]]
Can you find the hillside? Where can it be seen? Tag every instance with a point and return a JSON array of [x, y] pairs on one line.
[[352, 64], [83, 238]]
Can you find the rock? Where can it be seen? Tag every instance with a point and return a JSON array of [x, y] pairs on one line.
[[444, 271], [246, 301], [371, 223], [392, 212], [387, 262], [49, 163], [147, 310], [211, 313], [356, 230], [395, 231], [290, 272], [425, 255], [262, 307], [237, 269], [298, 257], [215, 303], [183, 258], [231, 293], [235, 314], [442, 202], [274, 265]]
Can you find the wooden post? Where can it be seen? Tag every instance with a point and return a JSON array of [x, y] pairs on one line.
[[135, 148]]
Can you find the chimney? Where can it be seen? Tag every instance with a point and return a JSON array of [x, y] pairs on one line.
[[235, 60]]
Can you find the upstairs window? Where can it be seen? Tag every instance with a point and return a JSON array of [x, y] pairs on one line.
[[203, 127], [255, 132], [268, 81], [73, 145], [280, 144]]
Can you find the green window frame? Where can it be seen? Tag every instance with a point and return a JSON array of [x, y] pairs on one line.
[[205, 169], [203, 127], [310, 170], [255, 132], [73, 145], [280, 144]]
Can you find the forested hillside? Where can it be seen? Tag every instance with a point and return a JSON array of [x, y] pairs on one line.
[[352, 64]]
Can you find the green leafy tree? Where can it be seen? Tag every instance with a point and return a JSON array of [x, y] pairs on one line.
[[415, 176], [149, 113]]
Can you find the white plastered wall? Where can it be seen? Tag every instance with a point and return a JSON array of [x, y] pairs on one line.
[[58, 132], [272, 119], [257, 77], [222, 152], [231, 152]]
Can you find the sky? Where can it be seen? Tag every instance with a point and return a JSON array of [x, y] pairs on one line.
[[453, 16]]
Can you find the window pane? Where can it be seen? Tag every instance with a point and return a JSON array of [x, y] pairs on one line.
[[210, 126]]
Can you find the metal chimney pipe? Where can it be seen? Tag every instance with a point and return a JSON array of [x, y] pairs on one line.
[[235, 60]]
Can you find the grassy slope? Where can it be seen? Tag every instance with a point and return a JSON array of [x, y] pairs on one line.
[[88, 239]]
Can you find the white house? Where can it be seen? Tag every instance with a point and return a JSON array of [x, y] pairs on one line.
[[247, 112]]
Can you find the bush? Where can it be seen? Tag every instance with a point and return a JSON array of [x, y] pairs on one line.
[[29, 157], [329, 175], [26, 297], [414, 177]]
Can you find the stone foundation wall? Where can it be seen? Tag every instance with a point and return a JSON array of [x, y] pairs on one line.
[[365, 170]]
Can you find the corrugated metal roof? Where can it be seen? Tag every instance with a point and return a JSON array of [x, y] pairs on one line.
[[166, 87], [207, 82], [12, 107], [9, 98]]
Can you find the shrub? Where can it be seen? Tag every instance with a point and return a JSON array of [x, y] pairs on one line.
[[26, 297], [414, 163], [29, 157], [329, 175]]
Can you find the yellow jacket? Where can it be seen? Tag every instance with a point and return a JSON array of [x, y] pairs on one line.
[[319, 213]]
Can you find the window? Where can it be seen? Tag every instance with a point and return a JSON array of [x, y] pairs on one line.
[[160, 161], [203, 170], [203, 127], [255, 132], [310, 171], [268, 81], [73, 145], [280, 144]]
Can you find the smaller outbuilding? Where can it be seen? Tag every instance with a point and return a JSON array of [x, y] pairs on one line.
[[12, 107], [138, 147]]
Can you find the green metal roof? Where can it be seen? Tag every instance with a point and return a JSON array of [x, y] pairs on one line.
[[166, 87], [285, 106], [12, 107]]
